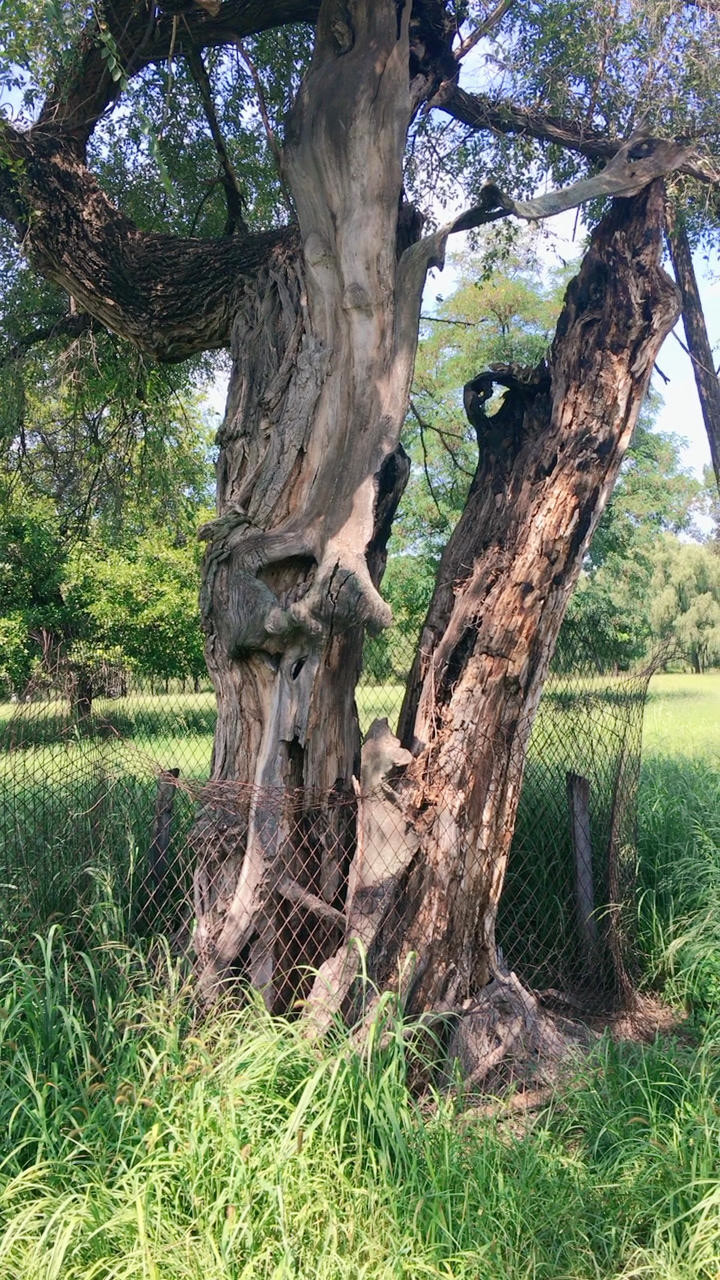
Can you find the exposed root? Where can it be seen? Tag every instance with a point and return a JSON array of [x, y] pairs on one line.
[[506, 1027]]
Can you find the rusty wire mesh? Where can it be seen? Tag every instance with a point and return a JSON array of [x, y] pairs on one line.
[[111, 802]]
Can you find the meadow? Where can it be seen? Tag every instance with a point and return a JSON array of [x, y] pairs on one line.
[[143, 1144]]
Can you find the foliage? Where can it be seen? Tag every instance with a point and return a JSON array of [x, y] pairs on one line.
[[98, 557], [141, 603], [686, 601], [508, 317], [604, 69], [32, 609]]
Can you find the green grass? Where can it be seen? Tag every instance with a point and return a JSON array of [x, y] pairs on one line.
[[141, 1145], [682, 717]]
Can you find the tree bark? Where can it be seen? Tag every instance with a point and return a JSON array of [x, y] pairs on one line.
[[706, 379], [309, 475], [548, 461]]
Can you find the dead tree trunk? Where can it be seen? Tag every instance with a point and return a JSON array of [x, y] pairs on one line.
[[548, 461]]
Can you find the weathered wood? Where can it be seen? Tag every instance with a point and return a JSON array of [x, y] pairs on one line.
[[578, 793], [322, 322], [548, 460], [161, 833], [310, 471], [385, 847]]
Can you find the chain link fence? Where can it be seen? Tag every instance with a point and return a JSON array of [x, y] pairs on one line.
[[107, 799]]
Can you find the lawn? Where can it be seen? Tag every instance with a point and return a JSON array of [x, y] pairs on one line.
[[682, 717]]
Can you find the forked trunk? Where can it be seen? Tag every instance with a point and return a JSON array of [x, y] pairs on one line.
[[548, 461], [305, 850]]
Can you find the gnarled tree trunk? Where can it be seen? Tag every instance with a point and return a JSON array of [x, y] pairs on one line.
[[310, 474]]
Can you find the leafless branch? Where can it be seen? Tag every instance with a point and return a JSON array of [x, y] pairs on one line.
[[426, 465], [265, 117], [484, 29]]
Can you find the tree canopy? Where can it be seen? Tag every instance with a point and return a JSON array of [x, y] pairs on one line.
[[170, 118]]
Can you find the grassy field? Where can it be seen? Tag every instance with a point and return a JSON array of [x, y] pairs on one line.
[[142, 1145], [682, 718]]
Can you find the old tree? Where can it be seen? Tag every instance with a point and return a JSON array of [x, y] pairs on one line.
[[194, 175]]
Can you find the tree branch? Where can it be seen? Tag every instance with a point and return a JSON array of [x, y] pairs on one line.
[[138, 36], [634, 166], [267, 126], [492, 20], [233, 195], [479, 111], [699, 349], [169, 296]]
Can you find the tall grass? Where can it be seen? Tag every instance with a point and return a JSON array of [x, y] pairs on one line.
[[679, 865], [142, 1145]]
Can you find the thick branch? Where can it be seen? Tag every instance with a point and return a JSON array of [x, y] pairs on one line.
[[636, 164], [169, 296], [706, 380], [140, 35], [482, 112], [493, 19]]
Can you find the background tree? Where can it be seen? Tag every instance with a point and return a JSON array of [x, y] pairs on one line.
[[613, 600], [98, 554], [315, 286], [686, 601]]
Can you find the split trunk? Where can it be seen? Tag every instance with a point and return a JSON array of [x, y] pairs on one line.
[[310, 852]]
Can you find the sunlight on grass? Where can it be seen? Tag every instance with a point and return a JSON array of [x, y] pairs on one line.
[[682, 717]]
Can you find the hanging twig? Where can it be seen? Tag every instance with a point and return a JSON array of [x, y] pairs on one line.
[[426, 467], [267, 124]]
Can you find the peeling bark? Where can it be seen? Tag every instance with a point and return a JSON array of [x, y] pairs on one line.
[[548, 461], [309, 476]]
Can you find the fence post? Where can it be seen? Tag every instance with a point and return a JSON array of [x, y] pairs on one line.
[[162, 825], [578, 790]]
